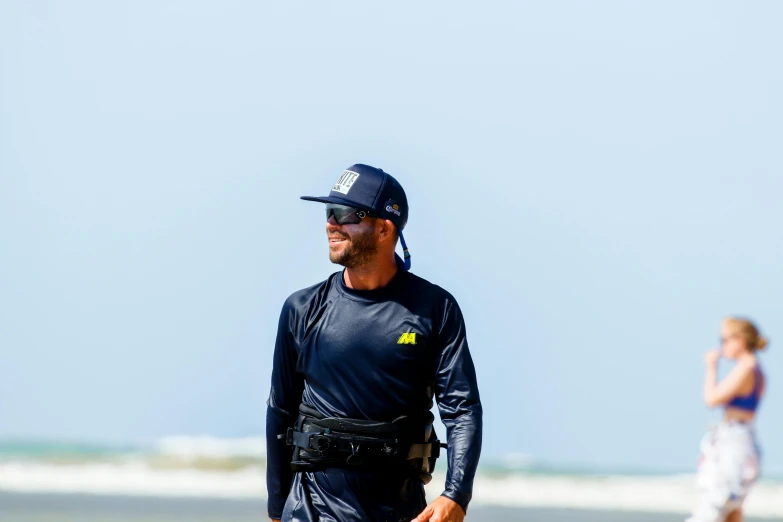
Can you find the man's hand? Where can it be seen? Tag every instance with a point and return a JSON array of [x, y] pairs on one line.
[[441, 509], [275, 520]]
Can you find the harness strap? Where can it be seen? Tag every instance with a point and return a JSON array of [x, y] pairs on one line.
[[320, 442], [325, 443]]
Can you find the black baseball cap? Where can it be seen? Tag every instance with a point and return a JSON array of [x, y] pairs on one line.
[[369, 188]]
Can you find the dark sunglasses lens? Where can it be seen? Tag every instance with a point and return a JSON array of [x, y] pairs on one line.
[[343, 215]]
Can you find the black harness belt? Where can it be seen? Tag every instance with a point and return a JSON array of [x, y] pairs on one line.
[[407, 443]]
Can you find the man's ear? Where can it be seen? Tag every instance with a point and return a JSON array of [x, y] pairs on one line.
[[386, 229]]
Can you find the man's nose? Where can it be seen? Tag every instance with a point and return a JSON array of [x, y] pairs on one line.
[[331, 223]]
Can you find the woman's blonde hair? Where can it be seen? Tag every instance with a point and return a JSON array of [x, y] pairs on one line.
[[747, 330]]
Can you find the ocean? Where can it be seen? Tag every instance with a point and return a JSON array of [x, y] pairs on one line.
[[212, 479]]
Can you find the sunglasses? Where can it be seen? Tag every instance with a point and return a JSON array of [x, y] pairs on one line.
[[345, 215]]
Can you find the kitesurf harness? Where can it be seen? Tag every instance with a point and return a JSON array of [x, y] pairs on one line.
[[320, 442]]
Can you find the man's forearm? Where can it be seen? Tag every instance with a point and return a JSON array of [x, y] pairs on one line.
[[278, 462], [464, 451]]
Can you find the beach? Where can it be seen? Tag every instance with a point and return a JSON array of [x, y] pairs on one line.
[[36, 507]]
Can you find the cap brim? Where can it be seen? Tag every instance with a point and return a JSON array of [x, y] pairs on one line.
[[336, 201]]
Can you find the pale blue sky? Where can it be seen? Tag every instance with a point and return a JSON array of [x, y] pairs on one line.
[[597, 183]]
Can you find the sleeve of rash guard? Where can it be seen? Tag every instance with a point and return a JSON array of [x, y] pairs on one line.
[[459, 404], [282, 407]]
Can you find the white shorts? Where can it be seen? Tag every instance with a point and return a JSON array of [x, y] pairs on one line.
[[728, 467]]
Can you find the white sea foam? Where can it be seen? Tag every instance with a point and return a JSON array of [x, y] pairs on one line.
[[670, 494], [673, 494], [135, 479]]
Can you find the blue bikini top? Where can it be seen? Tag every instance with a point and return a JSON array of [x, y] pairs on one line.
[[750, 402]]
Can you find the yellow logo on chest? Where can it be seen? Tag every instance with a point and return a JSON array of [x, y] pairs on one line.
[[407, 338]]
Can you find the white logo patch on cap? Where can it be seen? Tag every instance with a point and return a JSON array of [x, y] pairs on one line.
[[345, 182]]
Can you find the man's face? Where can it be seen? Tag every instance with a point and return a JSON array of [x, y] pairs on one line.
[[351, 245]]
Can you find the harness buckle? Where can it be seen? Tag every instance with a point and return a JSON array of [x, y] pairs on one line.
[[320, 443]]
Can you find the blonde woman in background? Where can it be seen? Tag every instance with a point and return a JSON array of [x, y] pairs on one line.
[[729, 462]]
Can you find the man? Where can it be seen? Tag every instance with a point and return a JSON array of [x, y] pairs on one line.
[[358, 359]]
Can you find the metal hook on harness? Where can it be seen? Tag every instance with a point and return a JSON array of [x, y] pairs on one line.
[[354, 456]]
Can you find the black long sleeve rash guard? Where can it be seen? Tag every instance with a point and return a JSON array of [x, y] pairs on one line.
[[374, 355]]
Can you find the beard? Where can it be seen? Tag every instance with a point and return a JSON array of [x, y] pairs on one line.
[[360, 249]]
